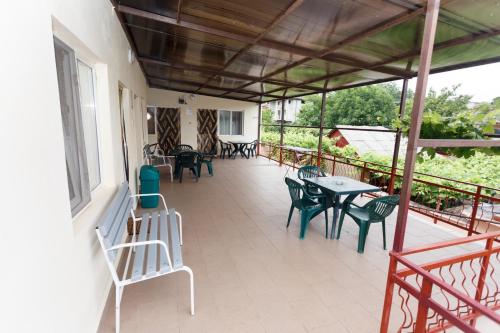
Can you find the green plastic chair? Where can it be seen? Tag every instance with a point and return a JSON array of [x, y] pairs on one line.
[[374, 211], [308, 204], [207, 159], [310, 171]]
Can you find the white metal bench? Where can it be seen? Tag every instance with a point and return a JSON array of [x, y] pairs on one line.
[[152, 252]]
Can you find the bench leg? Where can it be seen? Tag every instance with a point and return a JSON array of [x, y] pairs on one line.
[[191, 285], [180, 225], [118, 297]]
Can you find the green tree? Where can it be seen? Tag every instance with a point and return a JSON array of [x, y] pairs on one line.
[[369, 105], [310, 111], [447, 116]]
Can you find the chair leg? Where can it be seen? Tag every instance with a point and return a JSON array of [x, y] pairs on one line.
[[383, 233], [304, 221], [180, 177], [364, 226], [326, 222], [210, 169], [290, 215], [171, 173], [341, 221]]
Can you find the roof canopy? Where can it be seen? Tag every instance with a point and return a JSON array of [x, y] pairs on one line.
[[262, 50]]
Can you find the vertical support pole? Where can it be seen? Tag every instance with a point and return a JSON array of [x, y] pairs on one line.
[[281, 126], [431, 17], [423, 309], [485, 261], [475, 206], [389, 291], [321, 124], [397, 141], [258, 127]]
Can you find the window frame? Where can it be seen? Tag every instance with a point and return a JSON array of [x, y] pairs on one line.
[[231, 133], [96, 116], [81, 198]]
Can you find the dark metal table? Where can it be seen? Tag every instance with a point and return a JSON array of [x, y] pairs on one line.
[[239, 146], [337, 186]]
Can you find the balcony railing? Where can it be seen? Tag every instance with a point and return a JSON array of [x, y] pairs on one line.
[[466, 206], [459, 291]]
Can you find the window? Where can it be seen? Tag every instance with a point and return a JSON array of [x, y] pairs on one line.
[[78, 111], [231, 122], [89, 122]]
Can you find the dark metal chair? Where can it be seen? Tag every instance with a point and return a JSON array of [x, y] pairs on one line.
[[225, 148], [374, 211], [308, 204], [188, 160]]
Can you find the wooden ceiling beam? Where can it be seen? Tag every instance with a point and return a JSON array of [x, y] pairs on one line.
[[245, 38], [379, 27], [294, 5], [248, 92], [202, 69], [159, 86]]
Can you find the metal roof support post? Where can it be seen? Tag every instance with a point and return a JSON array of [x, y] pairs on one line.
[[258, 127], [321, 123], [397, 142], [282, 119], [431, 18]]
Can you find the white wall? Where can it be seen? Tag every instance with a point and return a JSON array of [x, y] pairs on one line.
[[167, 98], [54, 277]]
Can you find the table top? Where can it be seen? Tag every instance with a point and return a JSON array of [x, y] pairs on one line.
[[341, 185], [174, 153], [299, 149]]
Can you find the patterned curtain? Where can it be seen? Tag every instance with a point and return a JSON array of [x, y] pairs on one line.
[[207, 129], [169, 128]]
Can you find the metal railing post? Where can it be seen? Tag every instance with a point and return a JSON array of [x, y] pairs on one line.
[[482, 275], [475, 206], [423, 309], [389, 291]]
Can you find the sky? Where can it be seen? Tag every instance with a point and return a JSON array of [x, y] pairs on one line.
[[482, 82]]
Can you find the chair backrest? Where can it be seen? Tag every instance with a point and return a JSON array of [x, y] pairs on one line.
[[382, 207], [213, 150], [114, 221], [294, 188], [188, 159], [310, 171], [224, 145], [183, 148]]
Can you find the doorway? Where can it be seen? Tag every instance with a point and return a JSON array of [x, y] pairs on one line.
[[207, 129], [168, 124]]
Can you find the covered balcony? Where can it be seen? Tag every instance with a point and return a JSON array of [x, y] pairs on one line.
[[92, 83], [255, 275]]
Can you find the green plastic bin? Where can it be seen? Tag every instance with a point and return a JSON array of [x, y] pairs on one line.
[[150, 183]]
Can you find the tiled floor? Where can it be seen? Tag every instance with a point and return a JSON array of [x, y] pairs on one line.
[[254, 275]]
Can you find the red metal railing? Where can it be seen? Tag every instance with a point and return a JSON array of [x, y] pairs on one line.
[[467, 206], [459, 291]]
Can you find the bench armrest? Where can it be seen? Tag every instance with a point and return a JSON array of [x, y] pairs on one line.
[[151, 195], [149, 242]]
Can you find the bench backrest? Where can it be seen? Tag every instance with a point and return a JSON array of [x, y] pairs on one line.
[[114, 221]]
